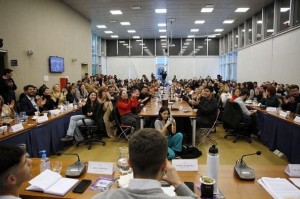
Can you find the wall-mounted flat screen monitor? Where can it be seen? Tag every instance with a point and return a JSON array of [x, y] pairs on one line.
[[56, 64]]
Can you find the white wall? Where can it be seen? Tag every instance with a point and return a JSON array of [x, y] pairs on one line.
[[275, 59], [48, 27], [182, 67]]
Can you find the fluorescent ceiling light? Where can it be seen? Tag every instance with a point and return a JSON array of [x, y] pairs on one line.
[[131, 31], [160, 11], [136, 7], [163, 44], [125, 44], [207, 39], [128, 46], [142, 44], [189, 40], [108, 32], [241, 10], [162, 30], [162, 24], [163, 40], [122, 42], [195, 30], [172, 45], [211, 36], [200, 46], [250, 30], [163, 36], [116, 12], [199, 22], [259, 22], [243, 30], [125, 23], [191, 36], [187, 43], [207, 9], [228, 21], [284, 9], [184, 46], [218, 34], [145, 47], [136, 37], [270, 30], [101, 26], [114, 36], [219, 30]]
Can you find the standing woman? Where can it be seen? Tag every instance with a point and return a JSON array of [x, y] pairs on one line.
[[57, 96], [88, 114], [167, 126]]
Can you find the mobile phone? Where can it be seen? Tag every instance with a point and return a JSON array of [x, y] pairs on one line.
[[171, 117], [190, 185], [82, 186]]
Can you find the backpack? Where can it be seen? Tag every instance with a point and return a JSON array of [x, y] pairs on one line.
[[190, 152]]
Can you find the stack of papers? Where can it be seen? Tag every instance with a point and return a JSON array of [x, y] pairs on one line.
[[279, 187]]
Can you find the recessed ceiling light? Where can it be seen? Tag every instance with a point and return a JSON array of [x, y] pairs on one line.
[[241, 10], [284, 9], [116, 12], [125, 23], [136, 7], [160, 11], [270, 30], [195, 30], [136, 37], [131, 31], [101, 26], [162, 30], [163, 40], [162, 24], [208, 8], [114, 36], [122, 42], [228, 21], [219, 30], [163, 36], [108, 32], [191, 36], [259, 22], [199, 22]]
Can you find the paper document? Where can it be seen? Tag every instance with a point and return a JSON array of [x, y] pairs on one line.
[[296, 181], [279, 188]]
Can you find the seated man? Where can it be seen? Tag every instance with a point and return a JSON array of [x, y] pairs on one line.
[[207, 108], [290, 102], [15, 168], [270, 98], [147, 158], [249, 117]]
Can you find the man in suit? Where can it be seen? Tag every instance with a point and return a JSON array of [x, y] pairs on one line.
[[148, 159], [15, 168], [28, 103], [7, 86]]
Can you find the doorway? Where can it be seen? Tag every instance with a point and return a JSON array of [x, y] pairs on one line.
[[3, 60]]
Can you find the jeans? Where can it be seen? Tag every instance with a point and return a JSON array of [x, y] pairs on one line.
[[174, 144], [75, 122]]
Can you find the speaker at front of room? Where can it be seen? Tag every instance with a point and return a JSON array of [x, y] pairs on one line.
[[1, 43]]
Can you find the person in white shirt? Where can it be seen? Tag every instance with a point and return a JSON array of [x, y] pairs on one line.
[[15, 168], [148, 160]]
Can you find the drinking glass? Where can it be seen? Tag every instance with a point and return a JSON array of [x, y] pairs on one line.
[[56, 166], [122, 162]]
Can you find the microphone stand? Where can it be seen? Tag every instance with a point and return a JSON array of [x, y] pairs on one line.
[[76, 169], [242, 171]]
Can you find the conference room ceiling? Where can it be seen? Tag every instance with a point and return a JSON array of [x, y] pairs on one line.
[[145, 21]]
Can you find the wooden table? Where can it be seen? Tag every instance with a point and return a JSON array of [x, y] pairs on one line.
[[228, 183], [152, 109]]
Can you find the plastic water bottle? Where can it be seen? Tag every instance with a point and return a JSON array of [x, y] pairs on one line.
[[17, 119], [45, 161], [212, 165]]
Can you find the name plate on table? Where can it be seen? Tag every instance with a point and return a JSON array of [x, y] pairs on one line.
[[297, 119], [271, 109], [283, 114], [54, 112], [17, 127], [106, 168], [185, 164], [293, 170], [41, 119]]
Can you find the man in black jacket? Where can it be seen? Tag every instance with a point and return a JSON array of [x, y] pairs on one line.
[[7, 86]]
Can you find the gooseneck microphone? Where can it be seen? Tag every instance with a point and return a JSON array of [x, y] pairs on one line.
[[242, 171], [76, 169]]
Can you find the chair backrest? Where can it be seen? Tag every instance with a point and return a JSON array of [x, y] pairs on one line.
[[232, 114], [298, 108], [117, 116]]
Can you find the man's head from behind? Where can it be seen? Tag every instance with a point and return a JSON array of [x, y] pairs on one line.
[[244, 94], [15, 169], [147, 153]]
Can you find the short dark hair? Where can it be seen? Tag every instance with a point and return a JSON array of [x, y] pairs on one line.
[[245, 91], [29, 86], [272, 90], [210, 88], [7, 70], [10, 155], [148, 150], [293, 86]]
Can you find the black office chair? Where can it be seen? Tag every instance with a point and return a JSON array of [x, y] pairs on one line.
[[92, 135], [298, 108], [123, 129], [233, 120]]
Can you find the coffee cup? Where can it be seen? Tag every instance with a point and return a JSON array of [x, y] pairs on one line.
[[207, 186]]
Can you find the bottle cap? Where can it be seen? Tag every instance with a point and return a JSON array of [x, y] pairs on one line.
[[43, 152], [213, 149]]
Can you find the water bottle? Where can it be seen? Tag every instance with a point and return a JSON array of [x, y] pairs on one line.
[[17, 119], [45, 161], [212, 164]]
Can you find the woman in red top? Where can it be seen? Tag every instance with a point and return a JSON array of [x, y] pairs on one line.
[[124, 107], [235, 94]]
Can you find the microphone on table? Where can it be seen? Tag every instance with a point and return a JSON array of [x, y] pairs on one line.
[[242, 171], [76, 169]]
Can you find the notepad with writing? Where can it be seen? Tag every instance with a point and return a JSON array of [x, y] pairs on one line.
[[52, 183]]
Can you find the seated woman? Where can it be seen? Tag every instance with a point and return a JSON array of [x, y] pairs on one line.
[[50, 104], [57, 96], [124, 107], [235, 94], [225, 95], [270, 98], [167, 126], [81, 93], [71, 96], [7, 110], [89, 111]]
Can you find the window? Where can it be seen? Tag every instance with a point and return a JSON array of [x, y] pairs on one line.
[[213, 46], [161, 47], [200, 47], [259, 23], [242, 35], [236, 38], [123, 47], [174, 46], [188, 47], [249, 31], [297, 12], [96, 54], [111, 47], [148, 48], [284, 14], [228, 66], [269, 28]]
